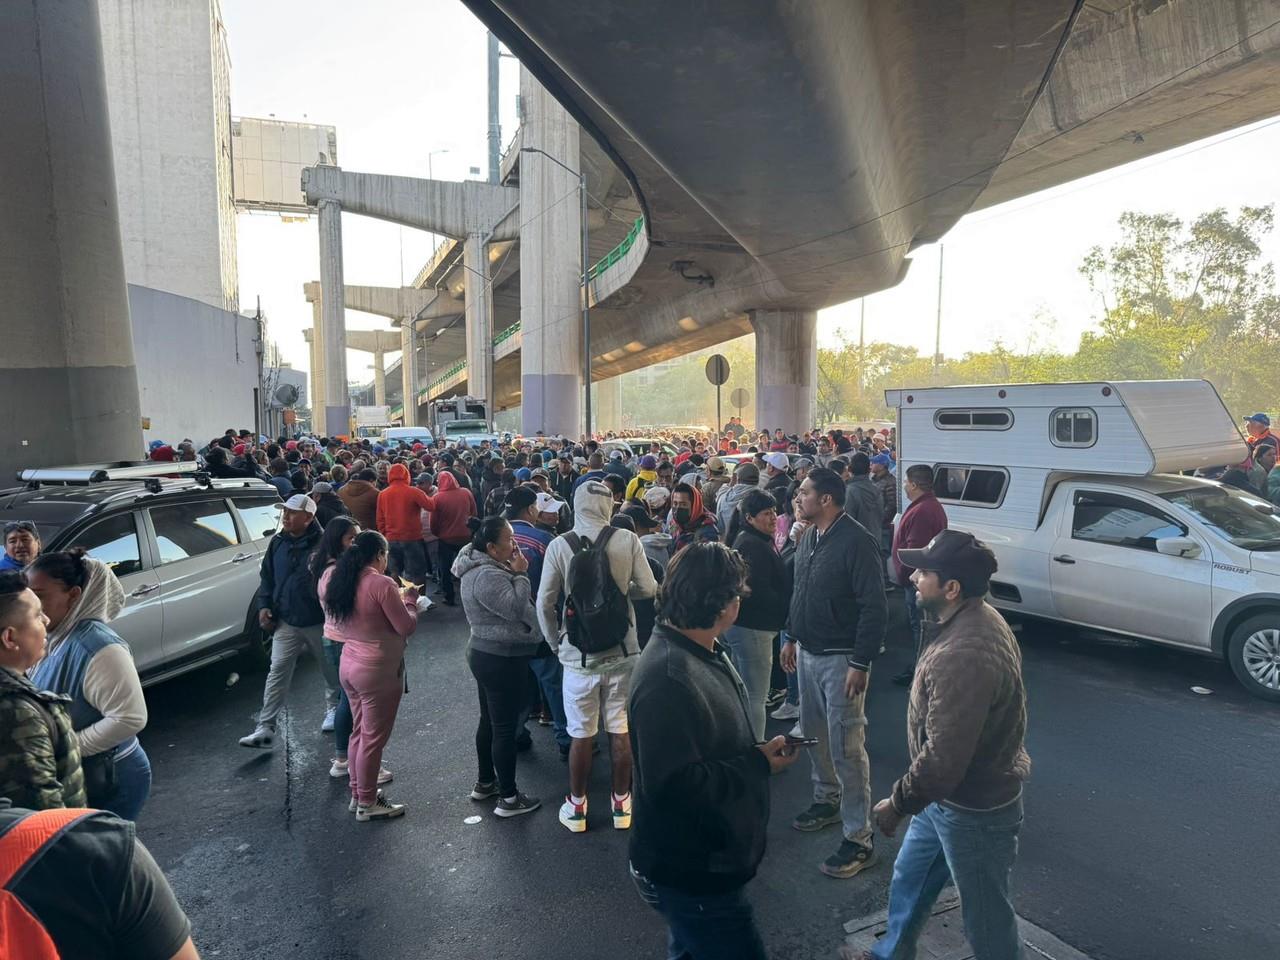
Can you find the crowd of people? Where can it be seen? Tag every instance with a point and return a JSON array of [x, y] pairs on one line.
[[676, 596]]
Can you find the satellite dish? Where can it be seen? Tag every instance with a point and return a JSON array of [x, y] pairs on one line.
[[286, 394]]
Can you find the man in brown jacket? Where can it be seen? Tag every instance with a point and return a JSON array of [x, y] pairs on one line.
[[965, 724], [360, 494]]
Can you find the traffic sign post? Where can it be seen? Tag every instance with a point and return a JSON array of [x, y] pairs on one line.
[[718, 374], [740, 398]]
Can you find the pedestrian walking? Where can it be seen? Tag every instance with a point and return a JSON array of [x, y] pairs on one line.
[[365, 610], [87, 661], [39, 755], [922, 520], [496, 597], [837, 619], [701, 779], [966, 721], [289, 610]]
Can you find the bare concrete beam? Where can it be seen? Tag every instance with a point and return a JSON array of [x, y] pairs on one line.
[[366, 341], [454, 209]]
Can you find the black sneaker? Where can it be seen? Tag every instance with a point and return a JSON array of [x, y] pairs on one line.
[[524, 741], [819, 815], [483, 791], [516, 806], [904, 678], [852, 858], [774, 699]]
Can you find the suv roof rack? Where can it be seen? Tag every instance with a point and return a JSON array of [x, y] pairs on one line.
[[101, 472]]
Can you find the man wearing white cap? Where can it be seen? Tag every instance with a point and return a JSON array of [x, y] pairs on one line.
[[777, 482], [289, 610]]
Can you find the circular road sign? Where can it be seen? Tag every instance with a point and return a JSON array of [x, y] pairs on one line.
[[717, 369], [739, 398]]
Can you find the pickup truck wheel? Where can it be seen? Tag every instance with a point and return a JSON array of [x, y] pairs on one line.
[[1254, 654]]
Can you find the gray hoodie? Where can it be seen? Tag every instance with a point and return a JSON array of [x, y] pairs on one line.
[[592, 510], [497, 605], [728, 501], [657, 547]]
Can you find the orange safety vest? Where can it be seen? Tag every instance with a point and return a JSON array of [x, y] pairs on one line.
[[22, 844]]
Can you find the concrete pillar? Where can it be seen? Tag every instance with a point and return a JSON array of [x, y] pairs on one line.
[[550, 268], [68, 384], [409, 373], [337, 407], [318, 385], [379, 378], [478, 301], [608, 411], [786, 368]]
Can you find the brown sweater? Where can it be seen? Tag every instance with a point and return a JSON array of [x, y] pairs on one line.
[[361, 498], [967, 715]]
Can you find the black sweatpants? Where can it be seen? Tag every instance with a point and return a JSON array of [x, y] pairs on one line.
[[502, 684]]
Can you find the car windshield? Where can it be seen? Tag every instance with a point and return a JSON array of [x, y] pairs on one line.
[[1247, 521]]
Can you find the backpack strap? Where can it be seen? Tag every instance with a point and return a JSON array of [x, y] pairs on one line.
[[574, 541], [604, 536], [27, 838]]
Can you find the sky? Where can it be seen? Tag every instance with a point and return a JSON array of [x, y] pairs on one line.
[[404, 79]]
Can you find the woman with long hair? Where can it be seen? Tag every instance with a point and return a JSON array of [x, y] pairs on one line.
[[88, 661], [365, 611], [505, 636], [339, 534]]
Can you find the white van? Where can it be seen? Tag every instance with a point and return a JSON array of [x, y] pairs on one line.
[[408, 436], [1078, 488]]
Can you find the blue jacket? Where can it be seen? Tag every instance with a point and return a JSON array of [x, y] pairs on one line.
[[8, 563], [285, 586]]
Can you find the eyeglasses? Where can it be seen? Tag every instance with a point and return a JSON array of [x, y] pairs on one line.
[[15, 525]]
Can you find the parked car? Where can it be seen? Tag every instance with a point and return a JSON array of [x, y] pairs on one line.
[[1078, 489], [408, 436], [638, 446], [186, 550]]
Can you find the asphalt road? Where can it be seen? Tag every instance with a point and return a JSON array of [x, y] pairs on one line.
[[1149, 830]]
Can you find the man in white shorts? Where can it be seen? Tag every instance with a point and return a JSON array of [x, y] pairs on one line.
[[595, 684]]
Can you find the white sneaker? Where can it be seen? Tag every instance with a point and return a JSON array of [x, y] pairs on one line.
[[341, 769], [353, 805], [622, 812], [384, 776], [381, 809], [788, 711], [795, 731], [573, 817], [262, 738], [326, 725]]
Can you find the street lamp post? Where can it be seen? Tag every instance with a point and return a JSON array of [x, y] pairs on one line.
[[586, 287]]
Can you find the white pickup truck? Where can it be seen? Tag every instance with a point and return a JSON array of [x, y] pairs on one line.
[[1075, 487]]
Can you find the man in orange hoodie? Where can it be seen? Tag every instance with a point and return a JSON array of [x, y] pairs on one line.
[[399, 517], [454, 505]]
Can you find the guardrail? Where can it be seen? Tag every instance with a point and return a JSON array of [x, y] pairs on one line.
[[618, 252]]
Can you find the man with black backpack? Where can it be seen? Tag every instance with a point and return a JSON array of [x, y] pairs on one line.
[[598, 569]]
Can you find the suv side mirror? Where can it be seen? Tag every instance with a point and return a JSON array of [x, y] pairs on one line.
[[1178, 547]]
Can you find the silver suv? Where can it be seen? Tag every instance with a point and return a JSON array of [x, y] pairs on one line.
[[186, 550]]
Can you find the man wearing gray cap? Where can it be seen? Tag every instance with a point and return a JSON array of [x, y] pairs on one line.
[[966, 720]]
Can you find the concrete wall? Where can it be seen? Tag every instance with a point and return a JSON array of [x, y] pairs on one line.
[[197, 368], [168, 91]]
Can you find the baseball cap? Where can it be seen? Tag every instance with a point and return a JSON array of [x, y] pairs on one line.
[[299, 501], [615, 454], [537, 472], [546, 503], [648, 462], [322, 486], [715, 465], [1261, 418], [748, 472], [778, 461], [956, 555], [523, 474], [640, 516], [883, 459]]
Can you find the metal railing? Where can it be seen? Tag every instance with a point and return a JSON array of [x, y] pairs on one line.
[[618, 252]]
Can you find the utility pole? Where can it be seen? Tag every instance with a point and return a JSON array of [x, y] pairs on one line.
[[259, 398], [495, 128], [937, 330]]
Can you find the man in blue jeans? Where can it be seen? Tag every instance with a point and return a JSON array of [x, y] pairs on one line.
[[965, 725]]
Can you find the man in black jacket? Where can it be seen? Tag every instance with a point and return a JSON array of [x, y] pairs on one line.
[[701, 780], [289, 610], [837, 617]]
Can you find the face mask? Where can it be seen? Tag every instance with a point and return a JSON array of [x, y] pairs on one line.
[[682, 515]]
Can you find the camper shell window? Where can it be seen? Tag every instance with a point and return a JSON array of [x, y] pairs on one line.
[[965, 418], [970, 485], [1073, 427]]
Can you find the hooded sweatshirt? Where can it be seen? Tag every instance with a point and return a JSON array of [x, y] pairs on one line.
[[498, 605], [361, 498], [400, 506], [701, 527], [642, 481], [592, 510], [453, 507], [657, 547], [728, 501]]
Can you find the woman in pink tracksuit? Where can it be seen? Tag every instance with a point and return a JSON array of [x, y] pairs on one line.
[[365, 611]]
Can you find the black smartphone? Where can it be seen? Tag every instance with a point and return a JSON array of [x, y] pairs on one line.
[[800, 741]]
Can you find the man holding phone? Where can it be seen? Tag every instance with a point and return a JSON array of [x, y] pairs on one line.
[[701, 779]]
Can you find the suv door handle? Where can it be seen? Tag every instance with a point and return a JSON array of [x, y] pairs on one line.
[[146, 588], [1063, 558], [242, 557]]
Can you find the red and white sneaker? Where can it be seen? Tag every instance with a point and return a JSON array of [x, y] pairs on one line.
[[574, 815], [622, 812]]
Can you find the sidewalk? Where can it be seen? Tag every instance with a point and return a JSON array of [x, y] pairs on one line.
[[943, 938]]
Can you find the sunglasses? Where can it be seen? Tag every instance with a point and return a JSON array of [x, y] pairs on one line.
[[16, 525]]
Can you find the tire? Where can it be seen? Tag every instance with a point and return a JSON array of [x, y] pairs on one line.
[[1253, 651], [257, 648]]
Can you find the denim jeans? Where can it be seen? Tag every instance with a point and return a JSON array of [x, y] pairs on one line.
[[342, 712], [975, 850], [550, 676], [909, 597], [133, 786], [751, 652], [841, 769], [287, 644], [717, 926], [408, 559]]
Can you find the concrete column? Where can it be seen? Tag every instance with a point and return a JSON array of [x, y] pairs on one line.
[[67, 370], [409, 373], [550, 268], [478, 298], [379, 378], [337, 407], [318, 385], [786, 368], [608, 411]]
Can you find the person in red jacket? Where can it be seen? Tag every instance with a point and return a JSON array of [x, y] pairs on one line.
[[454, 505], [922, 520], [399, 519]]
